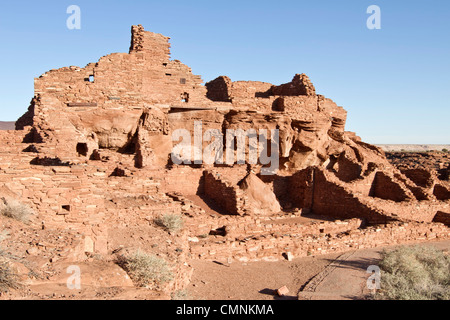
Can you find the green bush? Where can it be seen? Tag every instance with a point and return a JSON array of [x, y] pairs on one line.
[[147, 270], [414, 273], [170, 222], [14, 209]]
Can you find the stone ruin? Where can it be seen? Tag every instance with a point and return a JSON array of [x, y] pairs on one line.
[[92, 155]]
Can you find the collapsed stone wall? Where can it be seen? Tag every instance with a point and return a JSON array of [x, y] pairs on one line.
[[442, 217], [385, 187], [273, 248], [228, 196], [235, 228], [442, 191], [325, 194]]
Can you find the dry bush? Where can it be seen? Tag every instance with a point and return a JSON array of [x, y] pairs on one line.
[[14, 209], [8, 278], [147, 270], [170, 222], [180, 295], [414, 273]]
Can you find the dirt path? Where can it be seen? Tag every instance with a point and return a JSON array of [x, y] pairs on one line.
[[253, 280], [346, 278], [328, 277]]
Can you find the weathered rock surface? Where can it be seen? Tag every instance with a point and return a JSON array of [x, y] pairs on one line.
[[261, 198]]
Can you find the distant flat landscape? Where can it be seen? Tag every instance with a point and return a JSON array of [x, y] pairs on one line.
[[414, 147], [7, 125]]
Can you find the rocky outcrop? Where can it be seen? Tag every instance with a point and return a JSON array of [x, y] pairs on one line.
[[260, 198]]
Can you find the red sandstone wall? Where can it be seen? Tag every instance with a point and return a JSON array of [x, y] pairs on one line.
[[442, 217], [331, 199], [225, 194], [145, 75], [441, 192], [387, 188], [272, 248], [183, 179], [301, 188]]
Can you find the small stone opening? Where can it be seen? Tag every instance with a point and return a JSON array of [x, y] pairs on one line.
[[219, 232], [185, 97], [82, 149]]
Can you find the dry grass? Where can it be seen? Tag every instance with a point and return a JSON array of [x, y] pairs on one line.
[[181, 295], [414, 273], [170, 222], [147, 270], [8, 278], [14, 209]]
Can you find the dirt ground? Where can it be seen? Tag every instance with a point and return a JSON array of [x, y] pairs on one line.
[[260, 280], [254, 280]]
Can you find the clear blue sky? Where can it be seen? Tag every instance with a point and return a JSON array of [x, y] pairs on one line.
[[394, 82]]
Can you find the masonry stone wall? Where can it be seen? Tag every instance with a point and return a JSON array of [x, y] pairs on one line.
[[301, 188], [335, 200], [386, 188], [442, 191], [275, 247], [442, 217], [225, 194]]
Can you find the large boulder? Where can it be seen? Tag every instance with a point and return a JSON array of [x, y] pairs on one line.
[[262, 200]]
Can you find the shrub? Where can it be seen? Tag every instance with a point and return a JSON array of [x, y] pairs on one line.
[[8, 279], [171, 222], [15, 209], [414, 273], [180, 295], [445, 150], [147, 270]]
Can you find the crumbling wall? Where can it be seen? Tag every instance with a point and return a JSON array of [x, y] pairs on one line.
[[301, 188], [301, 245], [145, 75], [244, 95], [219, 89], [442, 217], [421, 177], [184, 180], [227, 195], [441, 191], [332, 199], [237, 228], [348, 169], [386, 187], [299, 86]]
